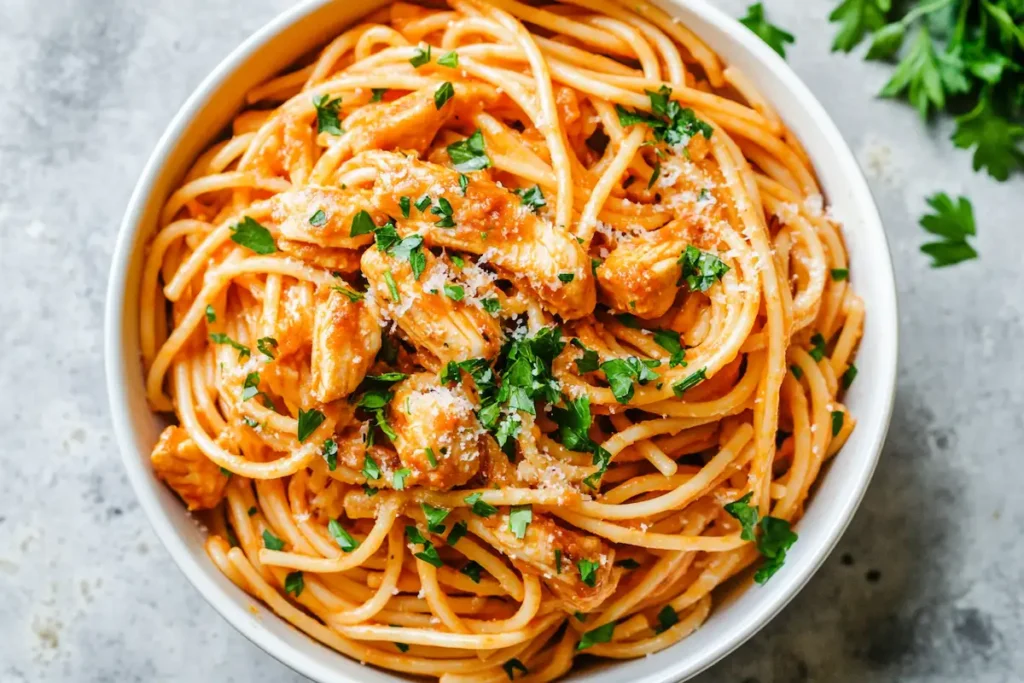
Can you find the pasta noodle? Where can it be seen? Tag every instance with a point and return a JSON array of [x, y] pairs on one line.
[[499, 333]]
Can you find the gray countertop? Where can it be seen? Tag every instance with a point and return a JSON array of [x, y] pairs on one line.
[[924, 587]]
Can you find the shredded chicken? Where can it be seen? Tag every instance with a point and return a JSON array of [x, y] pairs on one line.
[[439, 436], [319, 215], [293, 328], [346, 339], [641, 276], [178, 461], [433, 321], [335, 259], [489, 221], [535, 553]]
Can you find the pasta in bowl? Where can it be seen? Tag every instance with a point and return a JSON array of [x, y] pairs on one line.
[[497, 334]]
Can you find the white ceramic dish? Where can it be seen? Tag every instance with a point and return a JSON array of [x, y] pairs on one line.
[[735, 618]]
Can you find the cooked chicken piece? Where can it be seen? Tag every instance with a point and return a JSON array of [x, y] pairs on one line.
[[408, 123], [535, 553], [293, 329], [641, 276], [178, 461], [425, 311], [352, 452], [321, 215], [439, 437], [344, 261], [489, 221], [346, 339]]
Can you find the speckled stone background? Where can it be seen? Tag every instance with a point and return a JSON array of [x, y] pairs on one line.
[[924, 587]]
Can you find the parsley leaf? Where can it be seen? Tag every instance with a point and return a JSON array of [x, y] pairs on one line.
[[444, 210], [272, 542], [701, 269], [420, 57], [954, 223], [773, 35], [491, 305], [478, 506], [837, 422], [532, 197], [318, 218], [588, 571], [211, 314], [327, 120], [449, 59], [266, 346], [996, 141], [454, 292], [434, 517], [253, 236], [667, 618], [308, 421], [776, 538], [469, 154], [688, 382], [459, 529], [519, 519], [620, 373], [221, 338], [362, 224], [330, 453], [398, 478], [294, 583], [589, 361], [513, 665], [411, 249], [746, 515], [371, 470], [601, 634], [404, 203], [378, 94], [856, 19], [669, 340], [471, 569], [444, 92], [849, 376], [342, 537]]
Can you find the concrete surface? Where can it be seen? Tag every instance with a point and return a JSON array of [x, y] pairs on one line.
[[924, 587]]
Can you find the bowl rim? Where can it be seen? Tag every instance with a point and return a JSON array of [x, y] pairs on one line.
[[883, 314]]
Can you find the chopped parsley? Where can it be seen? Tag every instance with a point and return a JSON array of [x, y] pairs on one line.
[[398, 478], [330, 454], [513, 665], [589, 361], [667, 618], [211, 314], [588, 571], [774, 539], [378, 94], [620, 373], [463, 183], [669, 122], [689, 382], [478, 506], [700, 269], [459, 529], [817, 350], [839, 274], [797, 372], [389, 280], [531, 197], [318, 218], [272, 542], [669, 340], [574, 430], [849, 376], [519, 519], [308, 421], [251, 386], [837, 422], [420, 57], [221, 338], [469, 154], [449, 59], [444, 92], [352, 295], [434, 518], [405, 204], [491, 304], [371, 470], [423, 202], [444, 211], [601, 634], [628, 563], [471, 569], [342, 537], [566, 277], [431, 458], [655, 174], [362, 224], [294, 583], [454, 292], [266, 346], [253, 236], [327, 120]]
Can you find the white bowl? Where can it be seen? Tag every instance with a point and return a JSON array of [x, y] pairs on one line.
[[742, 612]]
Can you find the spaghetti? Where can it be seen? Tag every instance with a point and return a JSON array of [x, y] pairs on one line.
[[497, 334]]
